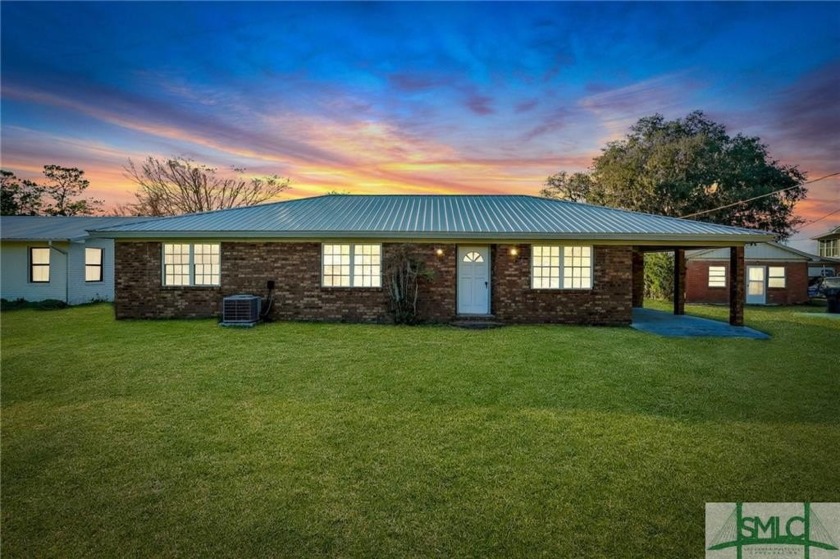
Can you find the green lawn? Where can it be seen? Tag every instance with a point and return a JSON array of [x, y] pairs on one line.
[[182, 438]]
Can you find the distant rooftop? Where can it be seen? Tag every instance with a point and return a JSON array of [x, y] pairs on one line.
[[430, 217], [56, 228], [832, 234]]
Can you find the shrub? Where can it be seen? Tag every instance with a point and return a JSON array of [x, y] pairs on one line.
[[659, 275], [403, 272]]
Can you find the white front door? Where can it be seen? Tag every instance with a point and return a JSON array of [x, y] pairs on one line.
[[756, 285], [473, 280]]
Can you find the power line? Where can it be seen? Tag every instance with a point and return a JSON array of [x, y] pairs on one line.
[[758, 197], [829, 214]]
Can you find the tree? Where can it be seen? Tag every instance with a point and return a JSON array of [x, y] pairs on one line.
[[19, 196], [180, 185], [26, 197], [574, 187], [66, 183], [685, 166]]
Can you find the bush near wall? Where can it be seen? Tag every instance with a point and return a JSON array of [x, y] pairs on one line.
[[659, 275]]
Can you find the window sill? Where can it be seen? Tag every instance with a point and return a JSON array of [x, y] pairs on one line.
[[349, 288], [208, 287], [563, 289]]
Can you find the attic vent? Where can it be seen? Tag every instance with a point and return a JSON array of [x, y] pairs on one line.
[[241, 310]]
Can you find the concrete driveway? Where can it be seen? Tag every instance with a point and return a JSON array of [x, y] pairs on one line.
[[684, 326]]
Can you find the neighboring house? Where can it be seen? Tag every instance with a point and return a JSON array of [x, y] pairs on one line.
[[521, 259], [54, 258], [775, 274], [829, 243]]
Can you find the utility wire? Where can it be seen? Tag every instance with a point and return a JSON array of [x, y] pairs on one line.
[[758, 197], [829, 214]]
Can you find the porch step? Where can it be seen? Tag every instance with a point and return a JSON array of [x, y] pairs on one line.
[[476, 322]]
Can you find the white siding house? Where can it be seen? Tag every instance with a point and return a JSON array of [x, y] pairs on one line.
[[54, 258]]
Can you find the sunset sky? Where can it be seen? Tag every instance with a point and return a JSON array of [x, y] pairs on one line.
[[406, 97]]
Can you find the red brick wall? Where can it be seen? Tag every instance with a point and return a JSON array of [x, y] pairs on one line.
[[609, 302], [296, 270], [795, 291], [697, 288]]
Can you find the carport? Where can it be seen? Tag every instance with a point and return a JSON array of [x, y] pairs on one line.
[[735, 279]]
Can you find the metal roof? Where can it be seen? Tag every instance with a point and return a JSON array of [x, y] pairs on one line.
[[828, 236], [431, 217], [759, 251], [56, 228]]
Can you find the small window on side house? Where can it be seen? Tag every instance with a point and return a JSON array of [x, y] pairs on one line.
[[776, 276], [39, 265], [93, 264], [717, 276]]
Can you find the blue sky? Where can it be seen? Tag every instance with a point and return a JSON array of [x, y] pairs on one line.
[[409, 97]]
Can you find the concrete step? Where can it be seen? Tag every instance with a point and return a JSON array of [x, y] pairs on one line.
[[477, 322]]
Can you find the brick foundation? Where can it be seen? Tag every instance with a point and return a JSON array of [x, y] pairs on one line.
[[296, 271]]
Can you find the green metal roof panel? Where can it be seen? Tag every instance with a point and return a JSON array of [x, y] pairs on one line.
[[56, 228], [428, 216]]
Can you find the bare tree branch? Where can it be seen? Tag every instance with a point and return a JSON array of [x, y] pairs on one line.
[[180, 185]]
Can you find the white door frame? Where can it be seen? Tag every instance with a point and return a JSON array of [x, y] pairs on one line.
[[758, 298], [473, 279]]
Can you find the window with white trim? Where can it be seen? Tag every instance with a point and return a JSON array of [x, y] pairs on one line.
[[830, 248], [93, 264], [776, 276], [561, 267], [39, 265], [717, 276], [351, 265], [191, 263]]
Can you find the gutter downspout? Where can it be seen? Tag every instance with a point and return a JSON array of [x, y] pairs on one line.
[[66, 271]]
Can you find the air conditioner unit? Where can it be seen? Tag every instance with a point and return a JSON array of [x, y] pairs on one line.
[[241, 310]]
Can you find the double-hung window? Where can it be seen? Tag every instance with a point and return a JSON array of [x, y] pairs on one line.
[[776, 276], [351, 265], [561, 267], [93, 264], [717, 276], [830, 248], [39, 265], [191, 263]]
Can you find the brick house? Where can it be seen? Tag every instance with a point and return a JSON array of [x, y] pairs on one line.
[[775, 275], [519, 259]]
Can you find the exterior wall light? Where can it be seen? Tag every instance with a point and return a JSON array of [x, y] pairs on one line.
[[439, 251], [514, 251]]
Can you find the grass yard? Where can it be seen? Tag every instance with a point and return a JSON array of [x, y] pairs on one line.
[[181, 438]]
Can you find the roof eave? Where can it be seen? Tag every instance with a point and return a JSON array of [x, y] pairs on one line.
[[630, 238], [39, 239]]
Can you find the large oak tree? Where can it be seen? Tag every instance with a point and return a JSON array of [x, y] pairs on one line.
[[685, 166]]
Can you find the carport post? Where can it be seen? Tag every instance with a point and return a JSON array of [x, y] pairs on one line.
[[638, 278], [736, 286], [679, 281]]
